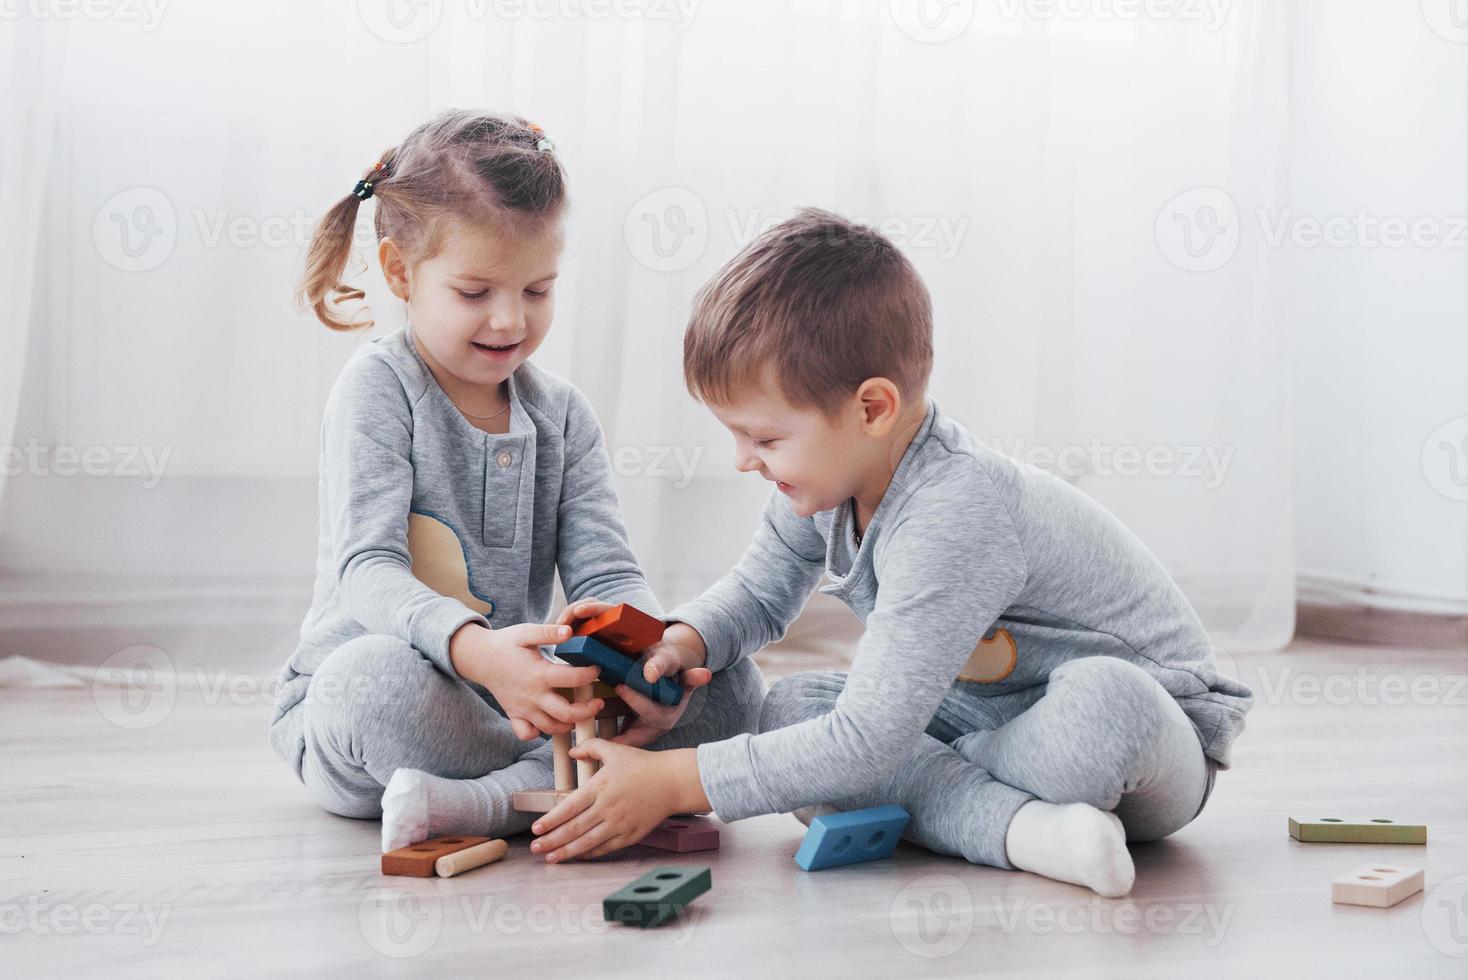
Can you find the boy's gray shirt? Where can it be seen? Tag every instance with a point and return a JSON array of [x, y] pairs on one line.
[[523, 505], [965, 542]]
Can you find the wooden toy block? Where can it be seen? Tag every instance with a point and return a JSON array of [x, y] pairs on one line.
[[1377, 885], [836, 839], [470, 858], [1337, 830], [657, 896], [624, 628], [682, 836], [606, 727], [417, 860], [537, 800], [618, 669], [585, 731], [561, 759]]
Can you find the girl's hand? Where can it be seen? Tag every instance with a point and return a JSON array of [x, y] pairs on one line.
[[508, 662], [634, 792], [585, 609]]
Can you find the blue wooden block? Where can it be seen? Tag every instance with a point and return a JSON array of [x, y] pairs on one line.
[[617, 668], [850, 838]]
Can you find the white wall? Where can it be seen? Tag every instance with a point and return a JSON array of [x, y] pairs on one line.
[[1380, 127]]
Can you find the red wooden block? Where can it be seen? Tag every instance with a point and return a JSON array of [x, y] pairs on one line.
[[417, 860], [682, 834], [624, 628]]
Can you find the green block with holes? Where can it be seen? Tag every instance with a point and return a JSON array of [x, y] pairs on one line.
[[1340, 830], [657, 896], [852, 837]]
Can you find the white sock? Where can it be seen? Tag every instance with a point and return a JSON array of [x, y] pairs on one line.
[[417, 806], [1073, 842], [808, 813]]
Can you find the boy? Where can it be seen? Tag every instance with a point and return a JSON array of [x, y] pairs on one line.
[[1032, 686]]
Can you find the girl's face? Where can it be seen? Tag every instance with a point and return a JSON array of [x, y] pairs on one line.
[[482, 305]]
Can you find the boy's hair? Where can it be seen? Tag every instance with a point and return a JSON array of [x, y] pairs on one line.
[[476, 166], [824, 303]]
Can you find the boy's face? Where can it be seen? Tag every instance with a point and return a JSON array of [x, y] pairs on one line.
[[816, 460]]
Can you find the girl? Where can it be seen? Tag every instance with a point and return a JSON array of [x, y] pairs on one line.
[[456, 480]]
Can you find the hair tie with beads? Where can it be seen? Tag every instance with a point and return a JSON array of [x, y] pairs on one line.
[[543, 144], [363, 190]]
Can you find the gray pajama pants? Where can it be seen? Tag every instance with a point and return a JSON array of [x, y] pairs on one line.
[[1101, 732], [377, 705]]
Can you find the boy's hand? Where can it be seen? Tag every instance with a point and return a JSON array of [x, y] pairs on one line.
[[508, 662], [654, 720], [634, 792]]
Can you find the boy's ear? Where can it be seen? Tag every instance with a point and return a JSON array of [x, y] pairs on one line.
[[881, 405], [394, 268]]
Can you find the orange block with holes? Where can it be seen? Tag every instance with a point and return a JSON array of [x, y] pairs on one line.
[[624, 628]]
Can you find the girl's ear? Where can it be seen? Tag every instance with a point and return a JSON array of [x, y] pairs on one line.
[[394, 268], [881, 404]]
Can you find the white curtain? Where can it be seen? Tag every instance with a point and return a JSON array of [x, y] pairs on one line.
[[1069, 187]]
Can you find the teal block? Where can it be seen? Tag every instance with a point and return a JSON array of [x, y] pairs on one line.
[[657, 896], [851, 838]]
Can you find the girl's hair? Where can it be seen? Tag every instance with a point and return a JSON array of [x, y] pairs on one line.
[[477, 166]]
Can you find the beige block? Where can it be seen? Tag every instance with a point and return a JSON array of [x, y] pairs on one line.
[[1379, 885], [470, 858]]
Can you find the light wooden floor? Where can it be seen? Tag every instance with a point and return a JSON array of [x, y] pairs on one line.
[[187, 847]]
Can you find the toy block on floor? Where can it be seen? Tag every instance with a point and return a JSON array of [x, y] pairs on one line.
[[470, 858], [1377, 885], [1338, 830], [657, 896], [538, 800], [837, 839], [624, 628], [682, 835], [418, 860], [618, 669]]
